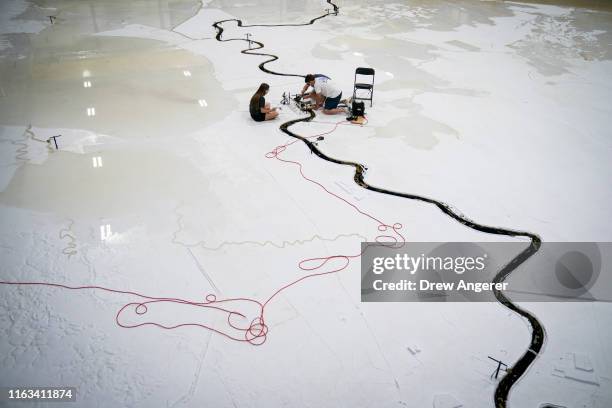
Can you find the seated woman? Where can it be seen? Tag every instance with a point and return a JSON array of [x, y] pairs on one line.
[[259, 109]]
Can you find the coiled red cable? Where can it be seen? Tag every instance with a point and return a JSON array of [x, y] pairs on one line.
[[255, 330]]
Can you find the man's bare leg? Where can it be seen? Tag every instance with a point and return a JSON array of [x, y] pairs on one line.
[[271, 115], [334, 111]]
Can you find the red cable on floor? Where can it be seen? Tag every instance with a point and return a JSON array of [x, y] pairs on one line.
[[254, 332]]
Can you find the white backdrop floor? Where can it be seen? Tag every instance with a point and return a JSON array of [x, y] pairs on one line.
[[161, 186]]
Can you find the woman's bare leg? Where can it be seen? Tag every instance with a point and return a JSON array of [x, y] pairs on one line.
[[271, 115]]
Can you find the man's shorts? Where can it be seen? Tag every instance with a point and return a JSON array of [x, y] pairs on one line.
[[332, 103]]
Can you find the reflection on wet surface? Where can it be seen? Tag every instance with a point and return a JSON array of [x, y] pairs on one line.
[[134, 88], [371, 48], [92, 16], [117, 182], [551, 37], [424, 132], [65, 77], [555, 40], [271, 11]]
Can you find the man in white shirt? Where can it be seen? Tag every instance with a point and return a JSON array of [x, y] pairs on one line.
[[317, 98], [317, 77], [325, 93]]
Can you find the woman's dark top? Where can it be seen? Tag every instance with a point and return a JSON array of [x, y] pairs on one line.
[[256, 113]]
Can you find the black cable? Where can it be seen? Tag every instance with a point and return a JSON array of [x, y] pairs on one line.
[[538, 336]]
